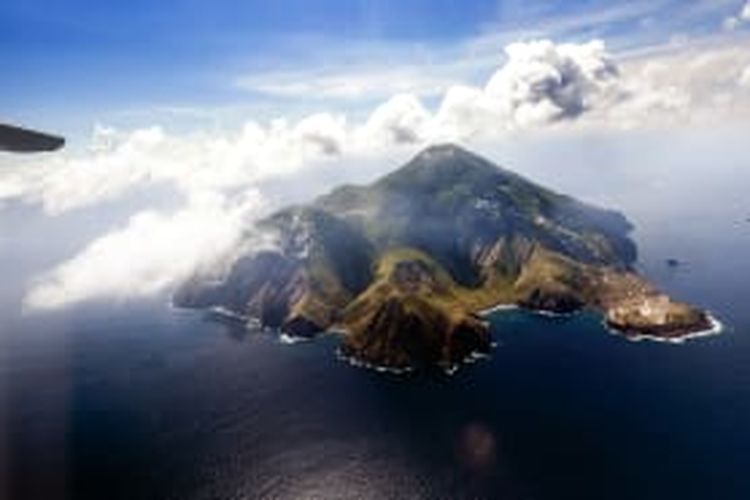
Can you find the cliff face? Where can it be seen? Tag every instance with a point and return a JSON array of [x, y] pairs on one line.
[[403, 265]]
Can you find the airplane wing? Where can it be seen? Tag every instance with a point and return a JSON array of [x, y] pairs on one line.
[[21, 140]]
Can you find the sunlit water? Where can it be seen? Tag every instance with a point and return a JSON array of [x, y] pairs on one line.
[[141, 401]]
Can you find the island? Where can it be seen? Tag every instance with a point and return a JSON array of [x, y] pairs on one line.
[[404, 267]]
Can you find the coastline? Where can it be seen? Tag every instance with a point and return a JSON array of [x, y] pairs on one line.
[[716, 327], [448, 370], [288, 339], [358, 363]]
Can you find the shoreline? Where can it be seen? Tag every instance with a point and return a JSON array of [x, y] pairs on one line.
[[288, 339], [450, 370], [716, 327], [497, 308], [355, 362]]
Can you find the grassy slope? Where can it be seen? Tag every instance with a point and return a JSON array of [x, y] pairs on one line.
[[399, 321]]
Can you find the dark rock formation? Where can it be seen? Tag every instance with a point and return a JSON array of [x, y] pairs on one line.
[[551, 301]]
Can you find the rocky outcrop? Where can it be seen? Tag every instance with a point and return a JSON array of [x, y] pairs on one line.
[[656, 315], [551, 301]]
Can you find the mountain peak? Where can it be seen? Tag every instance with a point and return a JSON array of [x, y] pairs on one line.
[[447, 151], [442, 165], [444, 149]]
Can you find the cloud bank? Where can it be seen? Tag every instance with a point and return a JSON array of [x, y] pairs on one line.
[[541, 83], [220, 175], [149, 254]]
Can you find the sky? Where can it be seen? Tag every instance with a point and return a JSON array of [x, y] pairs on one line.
[[188, 120], [69, 64]]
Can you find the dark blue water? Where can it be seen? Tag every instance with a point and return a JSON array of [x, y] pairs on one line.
[[151, 403], [143, 402]]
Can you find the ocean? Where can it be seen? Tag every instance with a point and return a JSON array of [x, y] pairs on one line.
[[141, 401], [150, 402]]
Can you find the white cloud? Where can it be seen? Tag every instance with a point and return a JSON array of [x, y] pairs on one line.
[[61, 182], [540, 83], [468, 112], [346, 84], [219, 174], [325, 132], [151, 253], [731, 23], [544, 82], [118, 162], [401, 120], [688, 86], [581, 85], [744, 80]]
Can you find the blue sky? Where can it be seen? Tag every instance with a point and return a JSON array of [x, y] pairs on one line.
[[70, 64]]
